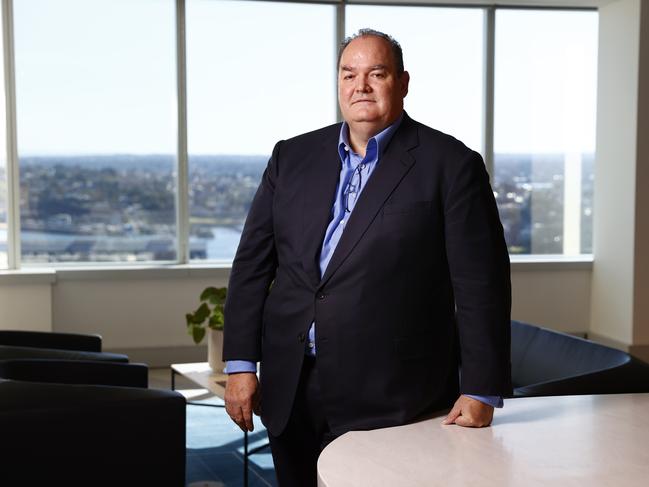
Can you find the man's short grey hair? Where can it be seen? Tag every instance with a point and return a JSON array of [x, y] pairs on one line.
[[396, 47]]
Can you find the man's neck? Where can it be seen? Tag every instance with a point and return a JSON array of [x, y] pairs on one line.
[[358, 141], [361, 133]]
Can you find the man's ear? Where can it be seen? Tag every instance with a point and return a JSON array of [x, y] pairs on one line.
[[404, 79]]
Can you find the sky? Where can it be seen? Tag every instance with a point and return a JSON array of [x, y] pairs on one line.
[[98, 76]]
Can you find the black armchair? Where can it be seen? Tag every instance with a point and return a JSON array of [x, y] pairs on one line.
[[75, 372], [66, 346], [550, 363], [46, 339], [88, 434]]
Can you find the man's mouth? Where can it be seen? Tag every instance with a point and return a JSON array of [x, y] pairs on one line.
[[362, 101]]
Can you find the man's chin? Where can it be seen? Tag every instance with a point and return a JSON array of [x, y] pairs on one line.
[[361, 112], [365, 118]]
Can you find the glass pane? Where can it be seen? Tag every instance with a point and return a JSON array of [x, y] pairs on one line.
[[257, 72], [3, 162], [96, 100], [443, 52], [545, 108]]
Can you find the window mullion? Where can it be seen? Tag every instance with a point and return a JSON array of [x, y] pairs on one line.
[[13, 171], [488, 87], [340, 37], [182, 183]]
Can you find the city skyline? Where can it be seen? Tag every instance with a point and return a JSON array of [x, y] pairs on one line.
[[129, 200]]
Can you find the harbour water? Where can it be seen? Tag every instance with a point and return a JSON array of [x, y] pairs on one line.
[[36, 245]]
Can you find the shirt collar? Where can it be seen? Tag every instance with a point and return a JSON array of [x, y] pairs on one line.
[[381, 139]]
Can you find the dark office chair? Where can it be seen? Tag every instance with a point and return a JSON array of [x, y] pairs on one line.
[[66, 346], [102, 427], [46, 339], [75, 372], [550, 363]]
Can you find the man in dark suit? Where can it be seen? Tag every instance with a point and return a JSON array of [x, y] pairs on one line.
[[390, 292]]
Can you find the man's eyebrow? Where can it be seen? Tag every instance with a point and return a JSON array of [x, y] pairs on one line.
[[376, 67]]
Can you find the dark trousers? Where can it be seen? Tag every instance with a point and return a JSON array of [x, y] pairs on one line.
[[296, 450]]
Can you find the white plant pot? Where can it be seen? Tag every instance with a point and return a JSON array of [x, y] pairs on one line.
[[215, 350]]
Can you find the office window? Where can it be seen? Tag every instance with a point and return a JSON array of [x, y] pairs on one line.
[[97, 114], [544, 143], [443, 52], [3, 162], [96, 121], [3, 214], [257, 72]]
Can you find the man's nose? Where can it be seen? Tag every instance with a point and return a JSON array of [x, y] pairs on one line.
[[362, 86]]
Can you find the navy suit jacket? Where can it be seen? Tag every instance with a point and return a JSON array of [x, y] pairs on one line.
[[417, 292]]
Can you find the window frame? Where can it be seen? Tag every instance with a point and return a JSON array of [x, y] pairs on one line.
[[183, 263]]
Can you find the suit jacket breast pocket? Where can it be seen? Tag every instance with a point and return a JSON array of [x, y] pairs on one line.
[[407, 221]]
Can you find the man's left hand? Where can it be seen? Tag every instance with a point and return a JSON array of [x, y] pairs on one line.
[[470, 412]]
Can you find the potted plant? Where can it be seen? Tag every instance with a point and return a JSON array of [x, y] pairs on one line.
[[208, 319]]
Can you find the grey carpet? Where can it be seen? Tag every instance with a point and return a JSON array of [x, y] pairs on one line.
[[215, 450]]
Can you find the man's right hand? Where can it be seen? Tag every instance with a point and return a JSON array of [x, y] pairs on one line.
[[242, 399]]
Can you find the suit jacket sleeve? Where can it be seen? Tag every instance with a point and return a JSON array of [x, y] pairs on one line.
[[253, 270], [479, 269]]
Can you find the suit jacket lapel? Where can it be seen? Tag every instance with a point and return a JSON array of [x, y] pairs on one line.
[[319, 189], [393, 165]]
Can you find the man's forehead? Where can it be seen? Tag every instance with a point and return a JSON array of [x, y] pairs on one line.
[[366, 52]]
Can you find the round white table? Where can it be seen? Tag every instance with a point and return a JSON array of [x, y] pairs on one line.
[[580, 441]]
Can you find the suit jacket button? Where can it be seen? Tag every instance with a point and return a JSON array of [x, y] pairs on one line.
[[301, 337], [321, 296]]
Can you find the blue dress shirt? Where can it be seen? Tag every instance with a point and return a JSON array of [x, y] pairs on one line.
[[355, 171]]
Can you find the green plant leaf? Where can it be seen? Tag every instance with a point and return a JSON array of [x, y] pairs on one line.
[[197, 333], [217, 297], [206, 316], [216, 320], [208, 293], [201, 314]]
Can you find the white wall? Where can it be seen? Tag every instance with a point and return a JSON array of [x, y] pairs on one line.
[[614, 192], [641, 278], [138, 313], [142, 313], [133, 313], [25, 306], [620, 287], [553, 298]]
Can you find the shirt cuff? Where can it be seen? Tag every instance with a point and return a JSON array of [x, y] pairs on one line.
[[237, 366], [493, 401]]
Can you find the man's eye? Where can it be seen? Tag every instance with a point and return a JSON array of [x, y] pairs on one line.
[[379, 75], [348, 76]]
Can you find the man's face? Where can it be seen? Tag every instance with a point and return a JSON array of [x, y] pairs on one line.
[[369, 89]]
